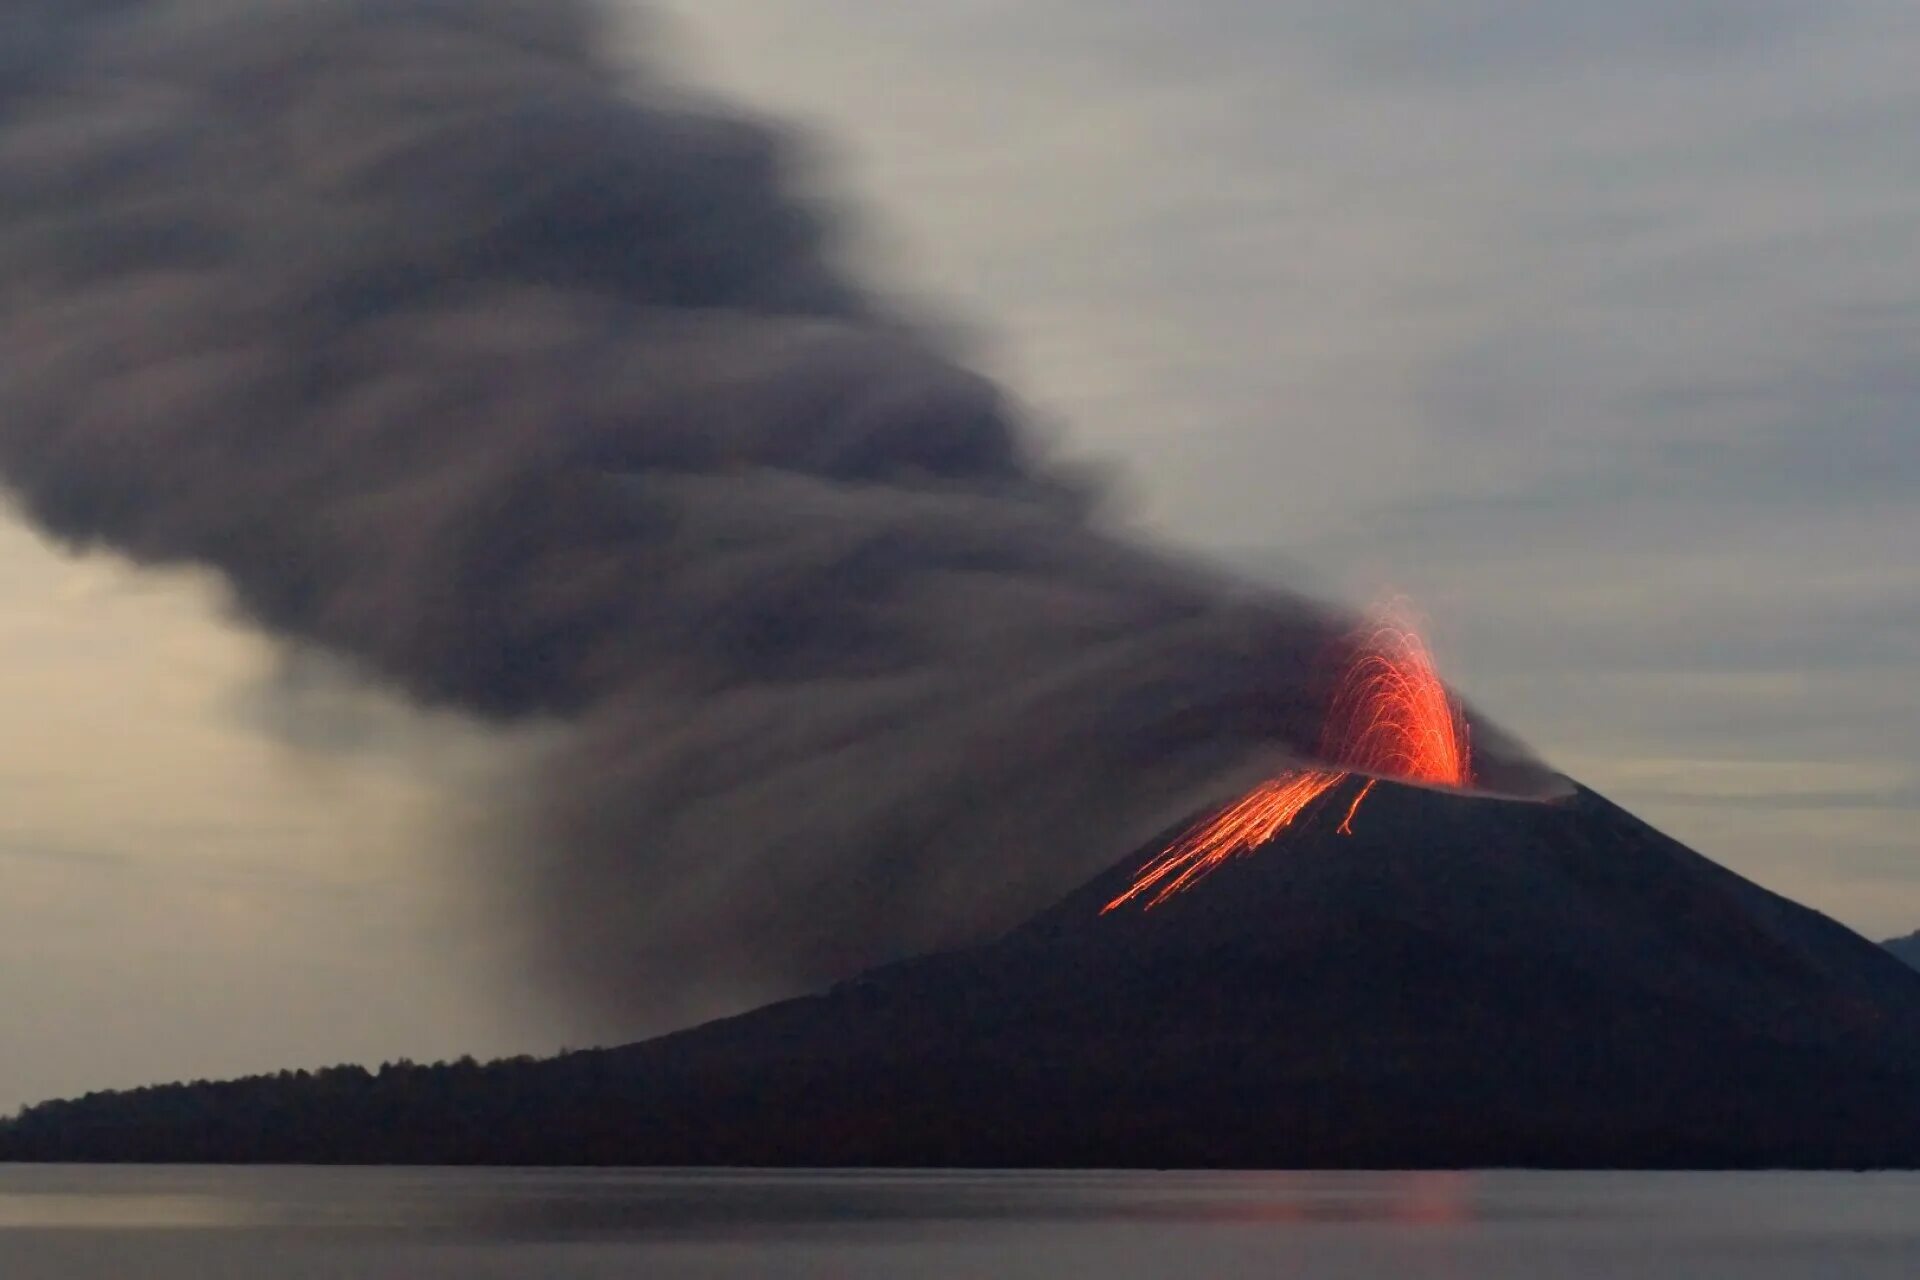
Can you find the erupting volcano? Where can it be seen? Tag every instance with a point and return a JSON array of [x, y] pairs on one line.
[[1390, 717], [1458, 978], [531, 387]]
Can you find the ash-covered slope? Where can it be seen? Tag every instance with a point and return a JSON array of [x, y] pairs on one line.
[[1461, 981]]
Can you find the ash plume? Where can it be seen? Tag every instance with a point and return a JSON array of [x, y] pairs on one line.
[[519, 377]]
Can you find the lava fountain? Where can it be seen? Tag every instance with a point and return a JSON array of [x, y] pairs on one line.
[[1390, 717]]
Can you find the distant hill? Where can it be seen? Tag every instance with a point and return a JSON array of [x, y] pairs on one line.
[[1461, 981], [1907, 948]]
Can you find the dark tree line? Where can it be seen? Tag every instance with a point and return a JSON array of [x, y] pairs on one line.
[[403, 1112]]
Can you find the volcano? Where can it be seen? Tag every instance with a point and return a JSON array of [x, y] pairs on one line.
[[1449, 979], [1438, 978]]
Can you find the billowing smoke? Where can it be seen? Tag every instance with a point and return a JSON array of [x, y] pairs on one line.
[[519, 378]]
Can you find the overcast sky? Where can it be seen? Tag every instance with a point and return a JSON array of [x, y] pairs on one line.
[[1591, 327]]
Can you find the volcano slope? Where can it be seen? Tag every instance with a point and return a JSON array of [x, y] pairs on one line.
[[1462, 980]]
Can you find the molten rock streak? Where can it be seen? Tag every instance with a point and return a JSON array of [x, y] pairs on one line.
[[1391, 717]]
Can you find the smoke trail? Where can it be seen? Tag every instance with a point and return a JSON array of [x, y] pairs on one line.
[[519, 378]]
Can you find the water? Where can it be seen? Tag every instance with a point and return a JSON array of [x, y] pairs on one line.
[[71, 1223]]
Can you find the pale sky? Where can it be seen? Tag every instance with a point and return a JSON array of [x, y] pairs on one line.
[[1590, 327]]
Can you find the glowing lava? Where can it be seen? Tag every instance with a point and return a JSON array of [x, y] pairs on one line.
[[1240, 828], [1390, 717], [1346, 823]]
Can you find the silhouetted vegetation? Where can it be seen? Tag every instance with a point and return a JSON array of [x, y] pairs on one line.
[[403, 1112]]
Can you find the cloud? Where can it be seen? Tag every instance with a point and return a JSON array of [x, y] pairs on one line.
[[1509, 41]]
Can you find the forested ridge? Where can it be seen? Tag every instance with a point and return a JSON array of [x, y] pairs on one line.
[[401, 1112]]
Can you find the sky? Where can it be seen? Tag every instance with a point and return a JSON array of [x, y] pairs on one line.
[[1589, 328]]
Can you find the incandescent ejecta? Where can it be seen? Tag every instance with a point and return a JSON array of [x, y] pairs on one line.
[[1390, 717]]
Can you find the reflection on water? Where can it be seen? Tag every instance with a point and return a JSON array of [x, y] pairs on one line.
[[1424, 1199], [536, 1203], [67, 1211], [95, 1223]]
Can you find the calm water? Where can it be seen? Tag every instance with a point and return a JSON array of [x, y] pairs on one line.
[[290, 1224]]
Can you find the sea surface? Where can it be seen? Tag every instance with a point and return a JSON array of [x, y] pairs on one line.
[[133, 1223]]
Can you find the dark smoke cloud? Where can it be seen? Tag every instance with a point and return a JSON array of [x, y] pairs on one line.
[[520, 379]]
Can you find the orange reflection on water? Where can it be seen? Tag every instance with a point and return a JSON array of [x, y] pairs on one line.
[[1438, 1198]]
